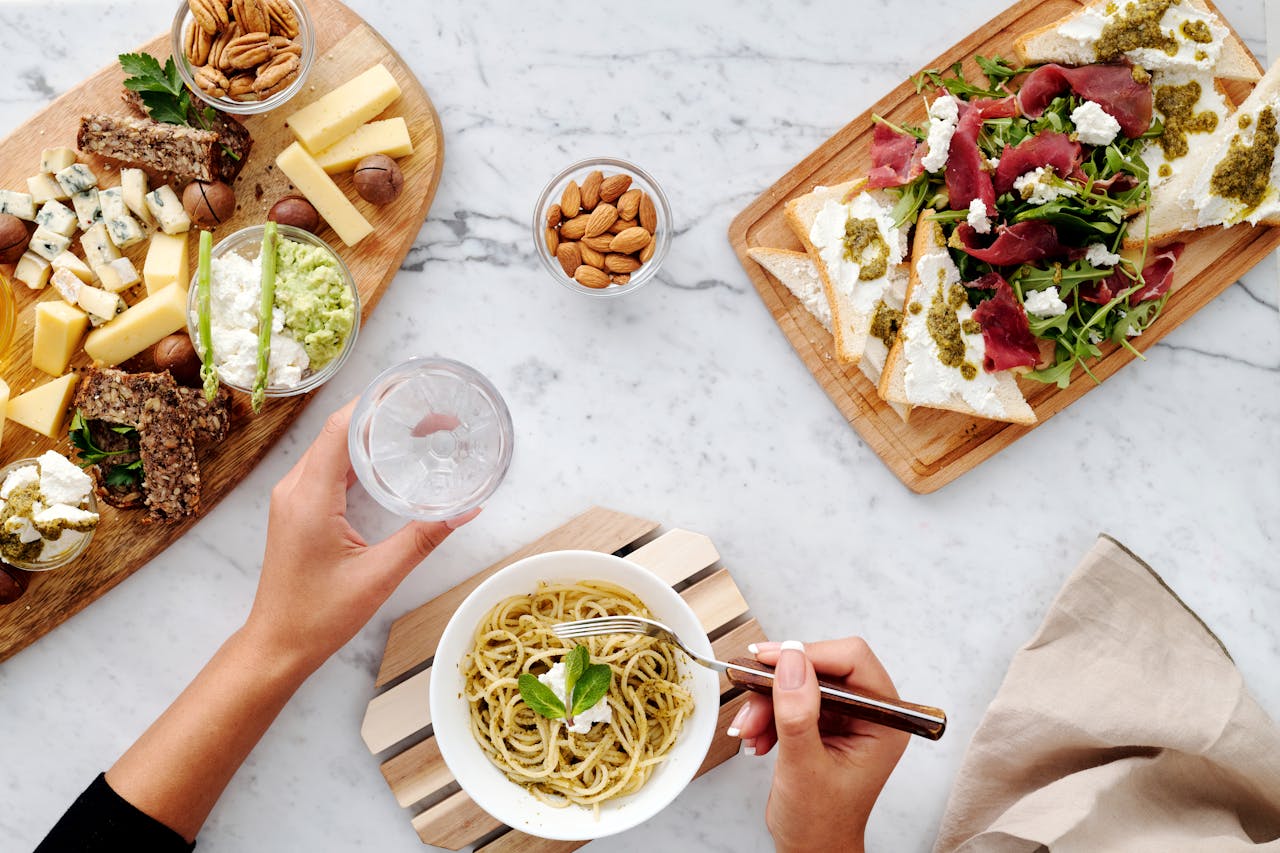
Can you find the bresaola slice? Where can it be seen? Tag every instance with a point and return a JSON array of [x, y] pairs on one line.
[[966, 174], [1111, 87], [1019, 243], [895, 158], [1006, 332], [1157, 278], [1049, 149]]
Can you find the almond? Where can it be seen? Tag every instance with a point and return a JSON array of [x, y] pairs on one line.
[[620, 279], [569, 257], [553, 240], [575, 228], [629, 204], [647, 252], [648, 214], [591, 277], [621, 225], [631, 240], [571, 200], [613, 187], [601, 218], [618, 263], [553, 216], [600, 242], [591, 189], [591, 257]]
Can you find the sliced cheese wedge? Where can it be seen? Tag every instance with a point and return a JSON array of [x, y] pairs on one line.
[[43, 409], [157, 316], [301, 168], [59, 329], [390, 137], [335, 115], [918, 372]]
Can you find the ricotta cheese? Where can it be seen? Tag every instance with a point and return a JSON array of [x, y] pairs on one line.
[[24, 476], [62, 481], [1213, 209], [1044, 303], [1160, 168], [235, 289], [1094, 125], [1098, 255], [977, 217], [601, 712], [928, 380], [1082, 32], [827, 235], [944, 112], [1038, 186]]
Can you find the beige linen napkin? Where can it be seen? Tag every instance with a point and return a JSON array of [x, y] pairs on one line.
[[1121, 726]]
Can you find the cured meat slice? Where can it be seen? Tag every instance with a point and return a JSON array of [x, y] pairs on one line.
[[895, 158], [1019, 243], [1006, 332], [1049, 149], [966, 174], [1157, 277], [1111, 87]]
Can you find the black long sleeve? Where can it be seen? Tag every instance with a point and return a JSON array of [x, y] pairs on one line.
[[100, 820]]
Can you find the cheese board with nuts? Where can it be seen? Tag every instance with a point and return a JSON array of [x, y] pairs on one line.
[[135, 210]]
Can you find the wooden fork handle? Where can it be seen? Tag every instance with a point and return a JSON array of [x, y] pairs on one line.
[[921, 720]]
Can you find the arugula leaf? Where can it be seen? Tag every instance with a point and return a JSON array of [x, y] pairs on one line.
[[540, 697], [591, 687]]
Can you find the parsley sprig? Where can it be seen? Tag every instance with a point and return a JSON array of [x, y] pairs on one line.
[[585, 684], [126, 475], [164, 94]]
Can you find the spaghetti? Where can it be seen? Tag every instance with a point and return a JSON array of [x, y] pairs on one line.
[[613, 758]]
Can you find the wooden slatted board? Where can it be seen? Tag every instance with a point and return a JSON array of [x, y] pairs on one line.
[[397, 723], [345, 46], [934, 447]]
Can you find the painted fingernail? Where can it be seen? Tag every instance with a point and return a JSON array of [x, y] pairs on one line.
[[753, 648], [749, 746], [739, 720], [789, 674], [766, 646]]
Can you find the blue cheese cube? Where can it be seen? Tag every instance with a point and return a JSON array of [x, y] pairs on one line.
[[118, 275], [76, 178], [32, 270], [125, 231], [48, 244], [88, 208], [44, 188], [168, 211], [19, 204], [133, 183], [56, 159], [78, 268], [112, 201], [98, 248], [57, 218]]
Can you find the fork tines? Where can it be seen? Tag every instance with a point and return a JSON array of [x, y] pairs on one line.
[[600, 625]]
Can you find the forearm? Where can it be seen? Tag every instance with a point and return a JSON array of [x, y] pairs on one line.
[[179, 767]]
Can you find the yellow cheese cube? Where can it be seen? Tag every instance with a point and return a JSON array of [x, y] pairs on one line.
[[390, 137], [301, 168], [158, 315], [59, 329], [322, 123], [75, 266], [4, 405], [166, 262], [44, 408]]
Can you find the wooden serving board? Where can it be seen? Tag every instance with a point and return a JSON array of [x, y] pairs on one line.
[[935, 446], [397, 723], [123, 543]]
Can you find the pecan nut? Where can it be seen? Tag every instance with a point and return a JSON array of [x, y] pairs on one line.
[[277, 75], [212, 81], [218, 51], [241, 86], [285, 45], [211, 15], [284, 21], [247, 51], [196, 45], [251, 15]]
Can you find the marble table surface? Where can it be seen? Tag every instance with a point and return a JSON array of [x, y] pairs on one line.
[[682, 402]]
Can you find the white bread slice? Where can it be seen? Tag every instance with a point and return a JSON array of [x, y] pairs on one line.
[[852, 300], [1170, 209], [1213, 209], [799, 274], [1070, 40], [914, 375]]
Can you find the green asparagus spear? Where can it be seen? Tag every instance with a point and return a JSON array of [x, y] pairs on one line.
[[208, 370], [268, 258]]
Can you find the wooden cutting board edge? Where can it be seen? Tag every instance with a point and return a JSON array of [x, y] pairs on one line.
[[852, 393]]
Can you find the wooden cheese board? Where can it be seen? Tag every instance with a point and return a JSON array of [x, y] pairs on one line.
[[123, 543], [397, 723], [935, 447]]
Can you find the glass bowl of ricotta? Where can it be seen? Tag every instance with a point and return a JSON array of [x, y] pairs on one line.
[[315, 321], [65, 496]]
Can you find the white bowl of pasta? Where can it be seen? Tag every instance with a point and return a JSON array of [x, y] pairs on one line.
[[532, 772]]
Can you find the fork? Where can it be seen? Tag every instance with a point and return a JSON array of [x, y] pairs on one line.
[[752, 675]]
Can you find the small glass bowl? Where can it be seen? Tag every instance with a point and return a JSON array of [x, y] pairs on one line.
[[248, 243], [306, 39], [76, 544], [639, 178]]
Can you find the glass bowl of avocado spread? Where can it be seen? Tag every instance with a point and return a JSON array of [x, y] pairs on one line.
[[315, 315]]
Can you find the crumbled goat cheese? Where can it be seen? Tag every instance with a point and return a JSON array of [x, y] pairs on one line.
[[600, 712], [1036, 186], [977, 217], [1044, 303], [1098, 255], [1094, 125], [943, 114]]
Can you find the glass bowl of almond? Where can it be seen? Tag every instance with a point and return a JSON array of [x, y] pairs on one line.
[[602, 227], [243, 57]]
